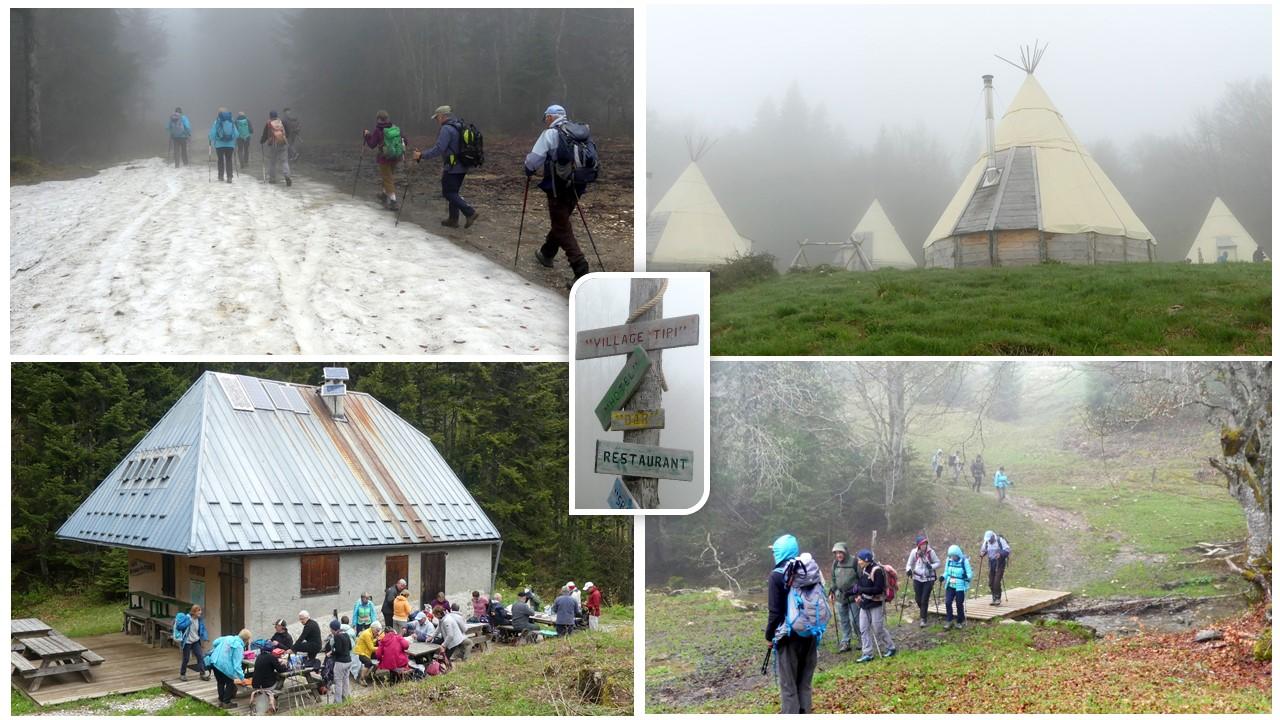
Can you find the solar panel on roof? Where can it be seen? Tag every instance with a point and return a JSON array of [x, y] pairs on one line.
[[257, 395], [276, 391], [333, 389], [336, 373], [235, 393], [295, 400]]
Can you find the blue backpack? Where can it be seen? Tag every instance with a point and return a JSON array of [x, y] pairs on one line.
[[181, 622], [226, 130], [808, 610], [176, 128]]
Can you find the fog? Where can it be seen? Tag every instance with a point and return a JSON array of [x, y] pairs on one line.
[[815, 111]]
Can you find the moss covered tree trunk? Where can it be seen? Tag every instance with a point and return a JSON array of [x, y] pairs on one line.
[[1246, 460]]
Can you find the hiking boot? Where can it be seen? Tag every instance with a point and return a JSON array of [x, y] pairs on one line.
[[205, 676], [959, 626], [472, 220], [923, 623], [393, 205], [996, 601], [288, 181], [947, 625], [844, 648], [865, 658], [182, 677], [543, 260], [891, 652], [382, 198], [449, 223]]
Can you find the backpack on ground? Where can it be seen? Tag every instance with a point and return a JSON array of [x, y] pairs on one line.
[[176, 128], [326, 671], [470, 144], [808, 610], [226, 130], [576, 159], [392, 143], [275, 130]]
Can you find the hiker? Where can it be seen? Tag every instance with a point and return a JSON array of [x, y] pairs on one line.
[[996, 550], [522, 615], [498, 613], [364, 613], [366, 641], [267, 667], [425, 628], [244, 131], [275, 148], [346, 628], [401, 610], [796, 655], [222, 136], [439, 601], [922, 566], [226, 659], [341, 654], [389, 602], [386, 139], [479, 608], [844, 576], [956, 466], [308, 641], [448, 148], [281, 639], [562, 195], [190, 627], [391, 656], [535, 602], [453, 635], [566, 610], [592, 608], [179, 135], [1222, 258], [956, 578], [979, 470], [293, 126], [1001, 481], [872, 586], [576, 594], [937, 464], [1259, 255]]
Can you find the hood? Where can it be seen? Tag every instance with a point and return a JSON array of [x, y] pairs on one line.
[[988, 536], [383, 124], [224, 115], [784, 548], [955, 551]]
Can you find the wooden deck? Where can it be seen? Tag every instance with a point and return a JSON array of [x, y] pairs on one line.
[[1016, 601], [129, 665], [205, 690]]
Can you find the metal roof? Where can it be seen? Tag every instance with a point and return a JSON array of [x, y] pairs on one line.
[[244, 465]]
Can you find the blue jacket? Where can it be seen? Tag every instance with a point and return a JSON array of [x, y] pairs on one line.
[[227, 656], [566, 610], [213, 131], [369, 607], [182, 621], [186, 127], [1001, 480], [958, 573], [448, 145]]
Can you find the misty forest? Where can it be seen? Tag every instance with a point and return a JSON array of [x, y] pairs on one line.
[[1139, 492]]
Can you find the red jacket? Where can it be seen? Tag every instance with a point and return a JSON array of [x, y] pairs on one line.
[[391, 652], [593, 602]]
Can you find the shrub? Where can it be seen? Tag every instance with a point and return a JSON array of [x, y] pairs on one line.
[[742, 271]]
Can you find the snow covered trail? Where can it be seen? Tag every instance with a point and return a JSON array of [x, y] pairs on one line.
[[143, 258]]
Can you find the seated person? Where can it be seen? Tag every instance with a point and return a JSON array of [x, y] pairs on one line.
[[453, 634], [522, 614], [439, 602], [366, 643], [282, 639], [479, 608], [424, 630], [498, 614], [266, 673], [391, 654], [309, 641]]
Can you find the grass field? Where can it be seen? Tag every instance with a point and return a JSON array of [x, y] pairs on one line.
[[73, 614], [1149, 309], [155, 702]]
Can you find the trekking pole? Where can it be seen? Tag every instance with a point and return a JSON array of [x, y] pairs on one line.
[[358, 166], [523, 206], [764, 666], [209, 164], [587, 228], [408, 181]]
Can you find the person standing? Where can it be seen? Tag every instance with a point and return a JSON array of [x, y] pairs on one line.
[[592, 606], [566, 611], [535, 602], [956, 578], [401, 609], [179, 136], [244, 132], [922, 565], [275, 148], [389, 602], [293, 126], [341, 653], [844, 577], [562, 196], [226, 659], [979, 470], [194, 636], [1001, 481], [996, 551], [448, 148], [937, 464], [222, 136], [872, 584], [364, 613], [386, 139], [797, 656]]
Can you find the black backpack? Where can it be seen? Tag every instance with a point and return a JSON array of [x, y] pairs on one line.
[[576, 160], [470, 144]]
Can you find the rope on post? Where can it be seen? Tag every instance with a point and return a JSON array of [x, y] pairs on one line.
[[646, 307]]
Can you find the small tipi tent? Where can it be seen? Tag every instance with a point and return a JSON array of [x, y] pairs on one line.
[[1035, 195], [688, 229], [880, 243], [1222, 233]]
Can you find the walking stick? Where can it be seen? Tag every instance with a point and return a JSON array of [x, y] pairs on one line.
[[358, 166], [262, 160], [208, 166], [408, 180], [523, 206], [764, 666], [585, 227]]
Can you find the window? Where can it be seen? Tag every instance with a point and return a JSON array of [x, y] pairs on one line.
[[168, 576], [319, 574]]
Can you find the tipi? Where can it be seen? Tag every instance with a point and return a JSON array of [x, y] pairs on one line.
[[1222, 233], [688, 229], [1035, 195], [880, 243]]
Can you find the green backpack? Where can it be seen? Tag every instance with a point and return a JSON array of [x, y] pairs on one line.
[[392, 143]]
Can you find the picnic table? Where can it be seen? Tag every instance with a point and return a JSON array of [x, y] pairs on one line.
[[28, 627], [293, 685], [56, 655], [422, 652]]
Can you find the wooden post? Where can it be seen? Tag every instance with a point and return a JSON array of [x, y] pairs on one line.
[[648, 396]]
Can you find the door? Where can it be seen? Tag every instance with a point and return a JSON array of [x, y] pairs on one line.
[[168, 576], [231, 585], [397, 569], [432, 576]]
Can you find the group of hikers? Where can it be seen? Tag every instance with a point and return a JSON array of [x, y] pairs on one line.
[[359, 645], [977, 471], [564, 153], [801, 603]]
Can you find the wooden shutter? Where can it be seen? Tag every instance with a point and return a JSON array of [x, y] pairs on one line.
[[319, 574], [397, 569]]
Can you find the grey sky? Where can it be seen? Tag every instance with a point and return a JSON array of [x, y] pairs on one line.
[[602, 301], [1114, 72]]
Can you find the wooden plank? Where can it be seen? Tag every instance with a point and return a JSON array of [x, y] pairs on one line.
[[1016, 602], [660, 334], [20, 663], [26, 627], [624, 386], [638, 419], [615, 458], [129, 666], [207, 692]]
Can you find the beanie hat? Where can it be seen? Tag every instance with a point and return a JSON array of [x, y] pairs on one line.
[[920, 540], [274, 114], [177, 109], [864, 555], [335, 625]]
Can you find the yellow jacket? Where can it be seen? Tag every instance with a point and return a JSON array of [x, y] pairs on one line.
[[365, 643]]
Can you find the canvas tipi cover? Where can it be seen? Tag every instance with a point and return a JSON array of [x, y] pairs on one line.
[[880, 241], [1222, 232], [688, 226], [1074, 195]]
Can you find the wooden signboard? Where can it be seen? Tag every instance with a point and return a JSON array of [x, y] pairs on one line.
[[650, 335], [638, 419], [620, 497], [624, 386], [631, 459]]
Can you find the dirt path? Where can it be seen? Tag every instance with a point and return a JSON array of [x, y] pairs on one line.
[[1068, 530]]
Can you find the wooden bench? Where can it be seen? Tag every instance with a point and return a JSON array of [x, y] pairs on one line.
[[21, 665], [93, 657], [160, 632], [134, 618], [57, 655]]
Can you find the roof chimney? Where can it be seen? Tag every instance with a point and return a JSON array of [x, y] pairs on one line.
[[992, 174], [334, 391]]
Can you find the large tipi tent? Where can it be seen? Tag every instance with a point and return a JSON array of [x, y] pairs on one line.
[[1043, 198], [880, 243], [1222, 232], [688, 229]]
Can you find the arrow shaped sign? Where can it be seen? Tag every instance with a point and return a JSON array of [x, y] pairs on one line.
[[624, 386]]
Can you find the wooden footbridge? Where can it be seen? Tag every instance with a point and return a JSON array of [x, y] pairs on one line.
[[1017, 601]]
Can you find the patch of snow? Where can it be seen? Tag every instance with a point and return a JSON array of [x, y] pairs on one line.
[[144, 258]]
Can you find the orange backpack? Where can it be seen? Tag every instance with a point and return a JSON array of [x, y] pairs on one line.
[[277, 132]]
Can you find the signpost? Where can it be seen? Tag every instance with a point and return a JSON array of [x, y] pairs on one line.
[[638, 419], [620, 497], [650, 335], [634, 460], [624, 386]]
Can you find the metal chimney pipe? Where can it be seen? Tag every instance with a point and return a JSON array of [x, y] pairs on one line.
[[987, 93]]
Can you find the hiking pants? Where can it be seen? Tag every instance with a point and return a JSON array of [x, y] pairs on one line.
[[977, 482], [797, 659], [560, 206], [242, 145], [275, 156], [191, 650], [874, 633], [958, 597], [462, 650], [387, 171], [226, 686], [997, 566], [180, 151], [451, 188], [1001, 490], [593, 622], [563, 630], [226, 160], [846, 612], [341, 681], [924, 588], [295, 142]]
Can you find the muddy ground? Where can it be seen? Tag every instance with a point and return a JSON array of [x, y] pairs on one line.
[[496, 190]]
